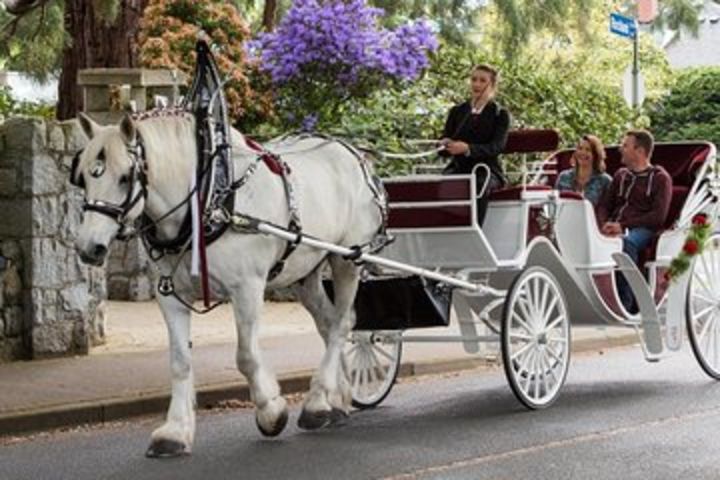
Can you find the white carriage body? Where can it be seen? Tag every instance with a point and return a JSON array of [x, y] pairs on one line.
[[433, 220]]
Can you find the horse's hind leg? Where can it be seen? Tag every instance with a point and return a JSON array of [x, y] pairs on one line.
[[271, 408], [175, 437], [327, 400], [311, 294]]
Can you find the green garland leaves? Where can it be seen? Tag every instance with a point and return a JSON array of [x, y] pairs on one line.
[[694, 243]]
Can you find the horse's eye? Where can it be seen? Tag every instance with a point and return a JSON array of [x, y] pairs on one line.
[[124, 180]]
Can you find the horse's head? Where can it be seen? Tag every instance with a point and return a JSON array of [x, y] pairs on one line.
[[111, 170]]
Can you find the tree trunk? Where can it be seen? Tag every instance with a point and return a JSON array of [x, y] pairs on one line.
[[95, 43], [269, 15]]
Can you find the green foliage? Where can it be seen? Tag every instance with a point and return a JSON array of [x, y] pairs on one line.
[[37, 40], [691, 110], [455, 19], [11, 107]]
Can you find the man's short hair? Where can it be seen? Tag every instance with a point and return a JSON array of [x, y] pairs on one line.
[[643, 139]]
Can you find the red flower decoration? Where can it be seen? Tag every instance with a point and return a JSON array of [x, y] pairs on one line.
[[691, 247], [700, 219]]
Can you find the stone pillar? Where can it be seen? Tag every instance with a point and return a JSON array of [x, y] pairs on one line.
[[51, 304], [108, 91]]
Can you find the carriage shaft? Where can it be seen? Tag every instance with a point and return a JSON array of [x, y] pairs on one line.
[[370, 258]]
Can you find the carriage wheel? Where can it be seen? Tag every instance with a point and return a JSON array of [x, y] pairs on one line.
[[702, 309], [535, 338], [373, 361]]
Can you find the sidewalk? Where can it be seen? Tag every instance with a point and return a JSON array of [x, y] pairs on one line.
[[130, 374]]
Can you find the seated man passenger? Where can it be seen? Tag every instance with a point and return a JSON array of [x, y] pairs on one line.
[[587, 176], [636, 203]]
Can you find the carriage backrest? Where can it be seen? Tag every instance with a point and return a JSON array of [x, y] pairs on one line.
[[681, 160], [532, 141]]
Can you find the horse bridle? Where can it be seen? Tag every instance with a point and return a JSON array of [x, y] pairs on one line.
[[118, 212]]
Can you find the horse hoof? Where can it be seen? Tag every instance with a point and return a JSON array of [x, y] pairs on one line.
[[166, 449], [277, 428], [315, 420]]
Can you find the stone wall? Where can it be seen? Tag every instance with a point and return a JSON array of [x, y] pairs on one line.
[[50, 303], [129, 272]]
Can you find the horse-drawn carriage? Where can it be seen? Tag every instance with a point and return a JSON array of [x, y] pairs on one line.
[[538, 266], [211, 204]]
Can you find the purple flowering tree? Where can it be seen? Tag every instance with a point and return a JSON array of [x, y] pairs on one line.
[[325, 52]]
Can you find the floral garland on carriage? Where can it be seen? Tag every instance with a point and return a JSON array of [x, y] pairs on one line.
[[697, 237]]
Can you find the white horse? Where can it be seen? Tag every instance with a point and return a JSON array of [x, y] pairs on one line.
[[335, 203]]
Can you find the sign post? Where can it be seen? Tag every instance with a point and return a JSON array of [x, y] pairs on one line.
[[627, 27]]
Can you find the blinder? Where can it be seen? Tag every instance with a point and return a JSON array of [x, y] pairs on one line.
[[74, 179]]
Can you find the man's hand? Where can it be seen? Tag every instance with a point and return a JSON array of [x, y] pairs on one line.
[[612, 228], [457, 148]]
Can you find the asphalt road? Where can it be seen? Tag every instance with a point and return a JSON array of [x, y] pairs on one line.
[[618, 418]]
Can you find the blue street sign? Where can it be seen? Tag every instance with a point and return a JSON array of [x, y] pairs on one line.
[[623, 26]]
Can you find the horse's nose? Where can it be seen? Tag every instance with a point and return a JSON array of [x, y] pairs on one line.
[[99, 252], [95, 255]]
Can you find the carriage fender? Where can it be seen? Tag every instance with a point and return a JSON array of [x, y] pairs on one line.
[[541, 252]]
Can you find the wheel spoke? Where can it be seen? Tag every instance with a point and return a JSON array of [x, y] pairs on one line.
[[520, 336], [538, 370], [543, 360], [551, 368], [535, 297], [384, 353], [352, 350], [703, 285], [548, 312], [522, 303], [522, 323], [562, 340], [698, 296], [554, 354], [704, 329], [522, 350], [542, 310], [704, 312], [554, 323]]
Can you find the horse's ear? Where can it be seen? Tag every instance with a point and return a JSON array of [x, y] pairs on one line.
[[88, 125], [127, 129]]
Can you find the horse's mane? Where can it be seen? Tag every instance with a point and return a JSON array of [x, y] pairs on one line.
[[168, 134]]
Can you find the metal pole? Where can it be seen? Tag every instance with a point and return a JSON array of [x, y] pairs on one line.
[[635, 72]]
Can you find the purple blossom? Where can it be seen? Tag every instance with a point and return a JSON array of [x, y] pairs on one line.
[[342, 39], [309, 123]]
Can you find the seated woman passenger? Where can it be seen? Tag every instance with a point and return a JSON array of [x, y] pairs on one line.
[[587, 176]]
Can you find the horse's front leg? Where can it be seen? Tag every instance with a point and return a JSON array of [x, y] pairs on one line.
[[271, 412], [175, 437], [328, 400]]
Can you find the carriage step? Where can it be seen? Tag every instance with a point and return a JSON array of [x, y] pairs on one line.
[[649, 319]]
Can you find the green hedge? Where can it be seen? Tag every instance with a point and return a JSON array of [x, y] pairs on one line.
[[691, 110]]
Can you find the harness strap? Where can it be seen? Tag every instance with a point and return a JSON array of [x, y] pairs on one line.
[[289, 249]]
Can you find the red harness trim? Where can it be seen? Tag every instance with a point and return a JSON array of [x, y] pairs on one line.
[[271, 161]]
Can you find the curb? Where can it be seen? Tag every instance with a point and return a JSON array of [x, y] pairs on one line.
[[208, 396]]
